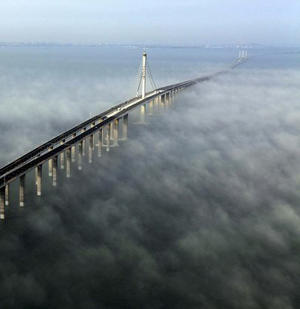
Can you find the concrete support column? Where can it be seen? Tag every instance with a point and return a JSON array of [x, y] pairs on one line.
[[91, 145], [167, 100], [73, 153], [150, 108], [83, 143], [162, 103], [22, 191], [62, 158], [125, 127], [116, 133], [54, 171], [68, 163], [38, 181], [155, 105], [111, 128], [7, 195], [143, 113], [103, 136], [100, 134], [73, 149], [50, 167], [158, 103], [50, 163], [2, 203], [80, 154], [107, 137]]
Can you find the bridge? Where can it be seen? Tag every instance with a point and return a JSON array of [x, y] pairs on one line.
[[108, 128]]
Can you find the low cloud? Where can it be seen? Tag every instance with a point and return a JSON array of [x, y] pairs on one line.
[[198, 209]]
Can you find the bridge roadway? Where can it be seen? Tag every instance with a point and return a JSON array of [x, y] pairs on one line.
[[64, 141]]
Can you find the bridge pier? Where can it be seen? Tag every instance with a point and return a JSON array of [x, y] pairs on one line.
[[38, 181], [116, 133], [111, 129], [50, 163], [91, 145], [125, 127], [62, 157], [107, 137], [68, 162], [83, 147], [162, 103], [83, 143], [73, 153], [93, 141], [7, 195], [80, 154], [143, 114], [50, 167], [100, 134], [150, 113], [158, 98], [168, 100], [54, 171], [22, 191], [2, 203]]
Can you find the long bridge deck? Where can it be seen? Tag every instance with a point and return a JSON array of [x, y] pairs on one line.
[[50, 150]]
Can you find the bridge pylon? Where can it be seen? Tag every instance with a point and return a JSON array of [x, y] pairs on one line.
[[144, 74]]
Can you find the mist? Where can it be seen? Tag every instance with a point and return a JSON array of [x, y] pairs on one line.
[[198, 209]]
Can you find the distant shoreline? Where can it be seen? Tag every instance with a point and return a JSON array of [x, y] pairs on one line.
[[140, 46]]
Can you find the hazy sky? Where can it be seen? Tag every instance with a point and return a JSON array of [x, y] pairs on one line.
[[137, 21]]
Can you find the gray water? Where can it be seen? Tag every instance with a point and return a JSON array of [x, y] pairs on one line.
[[198, 209]]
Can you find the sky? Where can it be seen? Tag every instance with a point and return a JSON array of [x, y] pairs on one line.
[[190, 22]]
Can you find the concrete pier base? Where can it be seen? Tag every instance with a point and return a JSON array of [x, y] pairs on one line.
[[100, 134], [161, 103], [167, 100], [22, 191], [80, 153], [116, 133], [83, 147], [54, 171], [107, 137], [111, 129], [91, 146], [150, 113], [62, 160], [50, 167], [155, 106], [38, 181], [143, 114], [62, 157], [164, 102], [125, 127], [68, 163], [83, 143], [50, 164], [158, 99], [2, 203], [103, 136], [73, 153], [7, 195]]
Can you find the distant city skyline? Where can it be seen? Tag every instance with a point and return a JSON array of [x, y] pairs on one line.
[[190, 22]]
